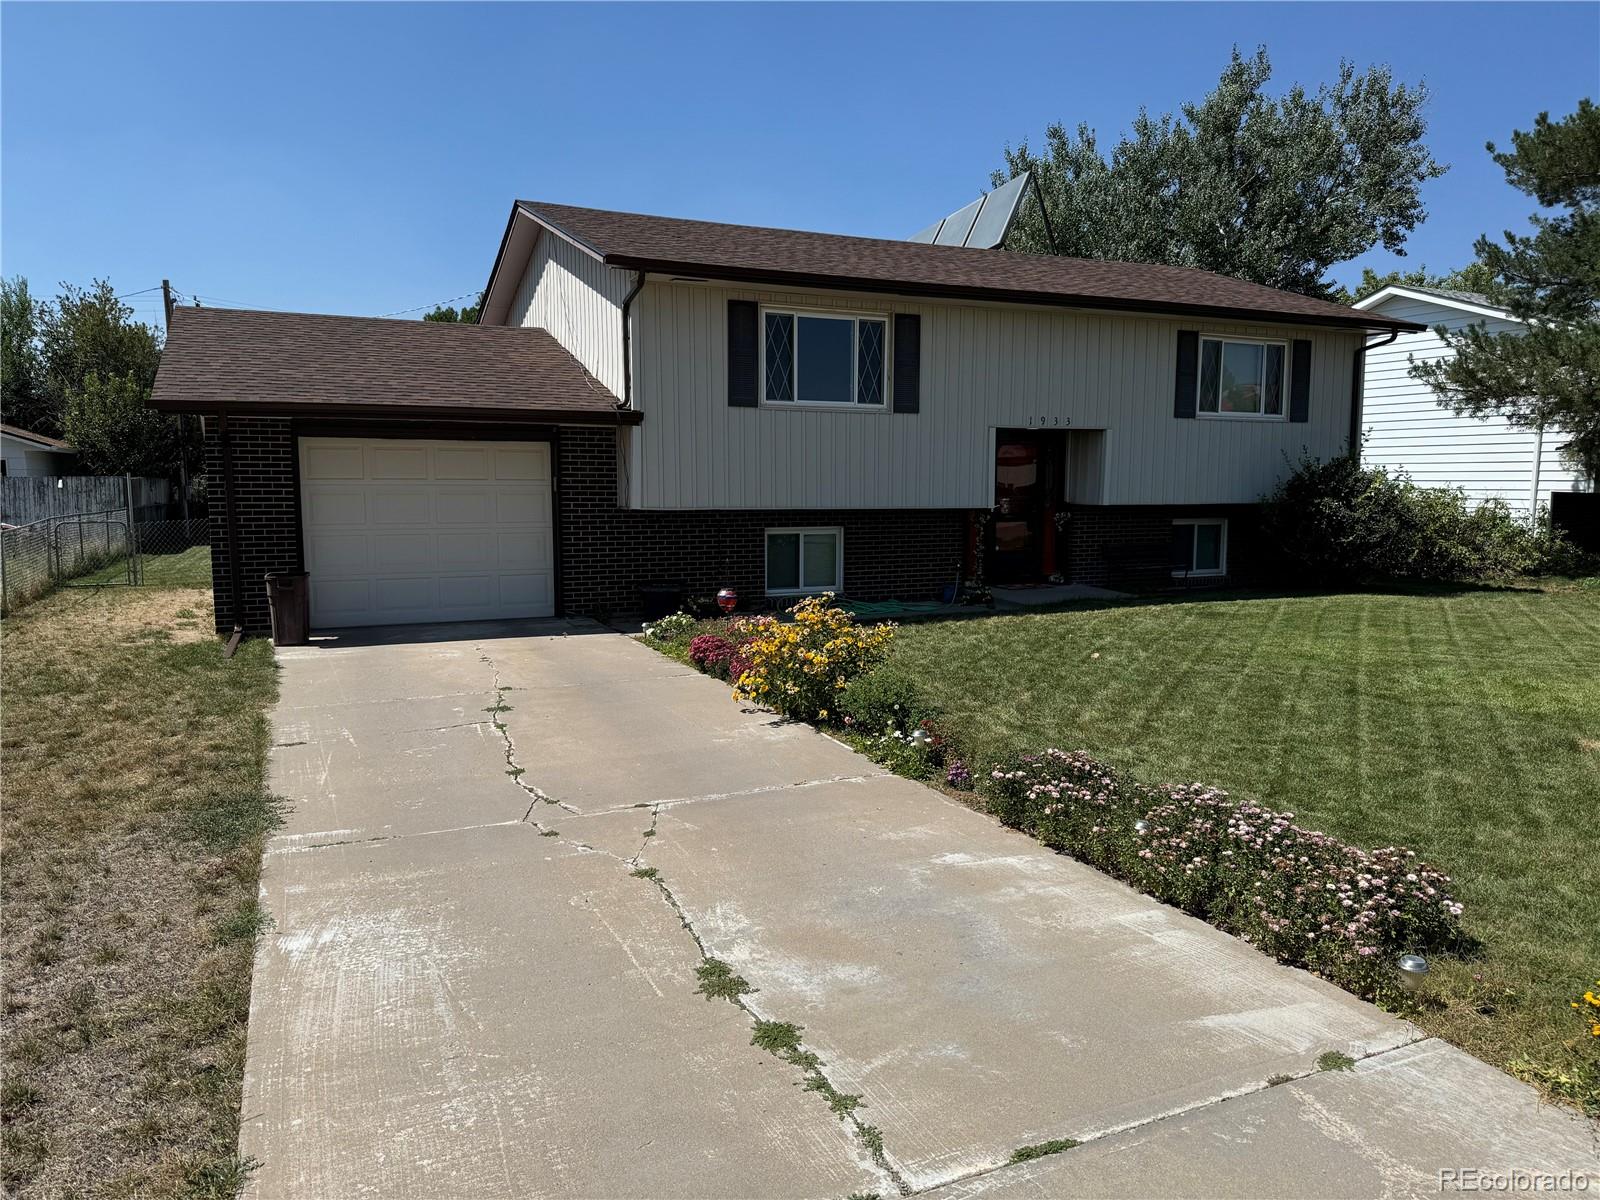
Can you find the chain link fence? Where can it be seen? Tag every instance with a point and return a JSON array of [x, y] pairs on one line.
[[97, 549]]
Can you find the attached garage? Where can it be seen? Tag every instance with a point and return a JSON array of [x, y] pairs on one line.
[[411, 469], [402, 530]]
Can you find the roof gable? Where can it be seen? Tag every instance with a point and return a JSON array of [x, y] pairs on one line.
[[754, 254], [1472, 302]]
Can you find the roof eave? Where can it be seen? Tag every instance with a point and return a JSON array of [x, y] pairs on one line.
[[1400, 291], [398, 411], [1001, 295]]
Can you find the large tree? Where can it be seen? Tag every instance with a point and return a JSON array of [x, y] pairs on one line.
[[1549, 373], [22, 394], [1273, 190]]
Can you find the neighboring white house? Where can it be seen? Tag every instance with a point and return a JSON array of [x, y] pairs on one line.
[[1407, 428], [23, 453]]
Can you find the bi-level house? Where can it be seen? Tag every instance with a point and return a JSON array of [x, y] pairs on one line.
[[652, 401]]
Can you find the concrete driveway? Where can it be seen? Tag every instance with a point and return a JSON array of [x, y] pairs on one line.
[[508, 852]]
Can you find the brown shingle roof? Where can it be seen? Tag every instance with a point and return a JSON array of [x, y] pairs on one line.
[[748, 253], [46, 443], [227, 360]]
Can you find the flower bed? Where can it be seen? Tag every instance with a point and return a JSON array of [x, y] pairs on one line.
[[799, 667], [1304, 897]]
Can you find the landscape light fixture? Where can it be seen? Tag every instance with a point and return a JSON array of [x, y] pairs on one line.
[[1413, 970], [1141, 826]]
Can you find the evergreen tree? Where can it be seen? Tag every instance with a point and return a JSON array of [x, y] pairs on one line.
[[1547, 374]]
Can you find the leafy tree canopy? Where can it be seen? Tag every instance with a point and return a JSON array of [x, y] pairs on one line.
[[1273, 190], [1548, 374], [1474, 277], [22, 401], [466, 315], [80, 367]]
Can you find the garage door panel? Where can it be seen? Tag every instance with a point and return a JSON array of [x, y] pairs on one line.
[[335, 506], [397, 460], [522, 506], [455, 462], [427, 530], [531, 463], [514, 550], [337, 598], [404, 552], [328, 461], [463, 508], [340, 555], [467, 592], [394, 597], [532, 590], [474, 551], [402, 506]]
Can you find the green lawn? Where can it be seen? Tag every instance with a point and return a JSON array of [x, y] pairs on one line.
[[1465, 725], [188, 568], [135, 811]]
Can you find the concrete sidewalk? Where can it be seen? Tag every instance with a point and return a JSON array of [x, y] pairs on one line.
[[474, 988]]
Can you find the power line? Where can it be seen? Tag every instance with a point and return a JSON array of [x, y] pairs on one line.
[[436, 304]]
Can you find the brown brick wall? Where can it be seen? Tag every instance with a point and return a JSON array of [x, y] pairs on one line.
[[269, 513], [1091, 528], [608, 552]]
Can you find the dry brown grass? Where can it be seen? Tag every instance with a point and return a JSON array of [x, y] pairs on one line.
[[134, 811]]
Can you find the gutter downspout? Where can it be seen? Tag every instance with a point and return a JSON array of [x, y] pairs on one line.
[[1357, 379], [231, 508], [627, 342]]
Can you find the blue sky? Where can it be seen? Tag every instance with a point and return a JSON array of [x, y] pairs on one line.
[[363, 158]]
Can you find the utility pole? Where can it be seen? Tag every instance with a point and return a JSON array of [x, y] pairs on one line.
[[183, 426]]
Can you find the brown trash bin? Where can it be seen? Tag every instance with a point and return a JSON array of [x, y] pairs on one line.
[[289, 602]]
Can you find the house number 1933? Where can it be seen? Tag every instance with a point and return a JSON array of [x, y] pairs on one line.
[[1048, 422]]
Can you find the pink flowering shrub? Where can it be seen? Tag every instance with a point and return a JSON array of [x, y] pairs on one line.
[[1304, 897], [712, 653]]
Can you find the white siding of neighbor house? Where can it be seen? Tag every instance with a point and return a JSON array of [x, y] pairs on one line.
[[1407, 429], [24, 460], [579, 301], [983, 367]]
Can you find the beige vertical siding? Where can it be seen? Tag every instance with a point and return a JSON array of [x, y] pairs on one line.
[[579, 300], [1407, 429], [983, 367]]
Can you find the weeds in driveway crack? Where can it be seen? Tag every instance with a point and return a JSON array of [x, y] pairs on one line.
[[513, 768], [1053, 1146], [1335, 1060], [780, 1038], [717, 979]]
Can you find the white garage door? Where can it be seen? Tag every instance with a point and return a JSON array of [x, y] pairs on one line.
[[399, 530]]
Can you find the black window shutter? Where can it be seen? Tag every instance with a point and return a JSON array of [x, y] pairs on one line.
[[1188, 381], [907, 362], [743, 354], [1300, 382]]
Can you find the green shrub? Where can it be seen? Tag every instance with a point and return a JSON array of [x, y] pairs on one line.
[[881, 702], [1337, 523]]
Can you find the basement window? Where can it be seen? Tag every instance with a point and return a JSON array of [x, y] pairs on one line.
[[1241, 378], [1199, 547], [823, 359], [803, 562]]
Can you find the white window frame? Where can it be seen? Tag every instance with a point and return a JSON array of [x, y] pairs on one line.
[[855, 318], [1222, 547], [1199, 379], [800, 565]]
